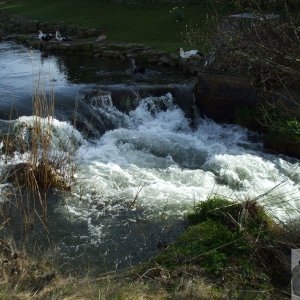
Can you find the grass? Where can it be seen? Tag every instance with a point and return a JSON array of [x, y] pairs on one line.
[[46, 163], [230, 250], [35, 277], [237, 242], [148, 24]]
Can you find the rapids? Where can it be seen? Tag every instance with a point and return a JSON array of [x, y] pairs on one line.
[[144, 167]]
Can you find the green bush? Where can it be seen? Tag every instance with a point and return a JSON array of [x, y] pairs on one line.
[[290, 127]]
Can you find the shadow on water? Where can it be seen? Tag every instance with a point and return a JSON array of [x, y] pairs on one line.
[[126, 237]]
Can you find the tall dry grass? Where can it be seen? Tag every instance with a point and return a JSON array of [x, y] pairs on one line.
[[43, 167]]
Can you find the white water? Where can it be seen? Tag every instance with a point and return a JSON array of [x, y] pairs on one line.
[[159, 165], [135, 181]]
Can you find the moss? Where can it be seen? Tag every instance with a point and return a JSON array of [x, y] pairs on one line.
[[249, 118], [234, 241], [214, 208], [290, 127]]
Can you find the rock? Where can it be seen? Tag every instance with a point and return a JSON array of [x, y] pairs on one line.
[[32, 26], [99, 48], [64, 47], [165, 60], [111, 53], [283, 144]]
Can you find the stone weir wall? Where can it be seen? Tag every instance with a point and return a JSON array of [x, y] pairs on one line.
[[84, 42], [221, 97]]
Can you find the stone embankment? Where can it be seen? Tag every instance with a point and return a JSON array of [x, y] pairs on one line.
[[24, 31]]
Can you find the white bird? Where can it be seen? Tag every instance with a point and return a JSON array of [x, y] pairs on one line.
[[44, 36], [61, 38], [189, 54]]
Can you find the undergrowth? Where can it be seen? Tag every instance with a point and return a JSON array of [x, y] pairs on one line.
[[33, 162], [229, 250], [236, 244]]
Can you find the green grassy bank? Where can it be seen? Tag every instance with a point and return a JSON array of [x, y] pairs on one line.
[[230, 250], [150, 24]]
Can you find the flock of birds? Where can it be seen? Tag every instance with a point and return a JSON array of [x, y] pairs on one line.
[[102, 37], [61, 38], [49, 36]]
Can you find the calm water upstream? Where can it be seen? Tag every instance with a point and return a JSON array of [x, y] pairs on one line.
[[142, 165]]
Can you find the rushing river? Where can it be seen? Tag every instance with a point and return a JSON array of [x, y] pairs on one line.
[[140, 166]]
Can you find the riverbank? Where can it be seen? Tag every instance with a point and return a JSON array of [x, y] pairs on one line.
[[23, 31], [229, 249], [150, 24]]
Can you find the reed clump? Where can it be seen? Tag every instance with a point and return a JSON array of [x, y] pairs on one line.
[[35, 161]]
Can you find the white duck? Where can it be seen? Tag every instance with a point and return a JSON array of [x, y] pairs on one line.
[[61, 38], [189, 54], [44, 36]]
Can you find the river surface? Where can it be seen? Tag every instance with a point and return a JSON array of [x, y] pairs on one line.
[[143, 155]]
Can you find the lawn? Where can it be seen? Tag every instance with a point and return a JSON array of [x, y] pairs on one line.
[[150, 24]]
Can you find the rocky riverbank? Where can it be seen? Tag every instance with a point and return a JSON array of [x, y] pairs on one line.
[[222, 96], [21, 30]]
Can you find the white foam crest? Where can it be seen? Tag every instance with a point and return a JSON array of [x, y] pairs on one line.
[[104, 105], [63, 135], [224, 137], [159, 113], [160, 164]]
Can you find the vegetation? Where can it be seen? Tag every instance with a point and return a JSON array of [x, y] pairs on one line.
[[237, 245], [229, 249], [267, 51], [149, 24]]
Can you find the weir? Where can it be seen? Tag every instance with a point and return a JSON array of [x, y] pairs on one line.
[[143, 157]]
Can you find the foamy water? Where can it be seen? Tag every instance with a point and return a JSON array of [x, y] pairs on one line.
[[135, 183], [157, 163]]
